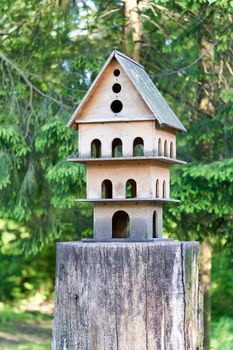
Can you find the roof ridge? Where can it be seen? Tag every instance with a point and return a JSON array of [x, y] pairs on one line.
[[116, 52]]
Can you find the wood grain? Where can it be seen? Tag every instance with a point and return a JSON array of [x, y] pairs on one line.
[[126, 296]]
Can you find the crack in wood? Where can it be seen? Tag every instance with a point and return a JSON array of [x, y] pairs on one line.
[[184, 292]]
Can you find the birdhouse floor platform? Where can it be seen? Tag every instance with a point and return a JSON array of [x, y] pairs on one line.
[[125, 240], [94, 200], [114, 159]]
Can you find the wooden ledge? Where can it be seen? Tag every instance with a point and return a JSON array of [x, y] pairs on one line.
[[114, 159], [171, 200]]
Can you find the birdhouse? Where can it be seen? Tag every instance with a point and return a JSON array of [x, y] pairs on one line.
[[127, 139]]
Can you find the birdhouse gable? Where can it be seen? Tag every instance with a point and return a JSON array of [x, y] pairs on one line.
[[113, 98], [123, 91]]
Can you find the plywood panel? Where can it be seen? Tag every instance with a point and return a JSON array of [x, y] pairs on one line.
[[145, 175], [98, 105]]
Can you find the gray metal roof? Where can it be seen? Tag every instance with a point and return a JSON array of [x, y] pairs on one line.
[[146, 88]]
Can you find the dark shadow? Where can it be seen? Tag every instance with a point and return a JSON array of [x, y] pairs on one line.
[[131, 189], [120, 225], [155, 224], [157, 189], [106, 189], [117, 148], [159, 148], [165, 149], [138, 147], [96, 149], [171, 150]]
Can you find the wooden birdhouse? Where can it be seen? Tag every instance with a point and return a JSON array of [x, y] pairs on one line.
[[127, 139]]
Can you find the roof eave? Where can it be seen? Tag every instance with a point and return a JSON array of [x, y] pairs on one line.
[[182, 128]]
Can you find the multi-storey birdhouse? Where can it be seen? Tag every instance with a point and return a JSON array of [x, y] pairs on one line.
[[127, 139]]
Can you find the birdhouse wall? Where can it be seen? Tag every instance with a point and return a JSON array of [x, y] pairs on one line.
[[168, 141], [145, 174], [107, 132], [98, 105], [127, 132], [141, 216]]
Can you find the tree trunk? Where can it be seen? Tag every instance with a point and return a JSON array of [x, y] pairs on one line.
[[126, 296], [133, 27], [206, 106], [205, 280], [206, 97]]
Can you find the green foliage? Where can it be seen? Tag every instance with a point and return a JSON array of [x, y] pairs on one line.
[[206, 195], [50, 53], [222, 285], [22, 276], [222, 334]]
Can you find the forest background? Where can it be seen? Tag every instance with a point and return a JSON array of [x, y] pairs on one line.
[[50, 53]]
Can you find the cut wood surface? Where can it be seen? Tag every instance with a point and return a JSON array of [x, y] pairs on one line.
[[126, 296]]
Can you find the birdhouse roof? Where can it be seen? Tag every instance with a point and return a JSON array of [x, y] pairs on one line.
[[146, 88]]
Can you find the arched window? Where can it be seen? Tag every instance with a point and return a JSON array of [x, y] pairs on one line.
[[131, 189], [157, 189], [106, 190], [159, 148], [171, 150], [117, 148], [138, 147], [96, 149], [155, 224], [164, 189], [165, 149], [120, 225]]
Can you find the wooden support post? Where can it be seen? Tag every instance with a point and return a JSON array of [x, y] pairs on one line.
[[127, 296]]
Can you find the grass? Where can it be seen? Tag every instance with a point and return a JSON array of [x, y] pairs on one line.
[[32, 331], [24, 330]]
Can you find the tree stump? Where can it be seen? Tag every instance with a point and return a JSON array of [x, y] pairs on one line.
[[126, 296]]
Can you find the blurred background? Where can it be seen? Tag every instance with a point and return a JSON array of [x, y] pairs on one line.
[[50, 52]]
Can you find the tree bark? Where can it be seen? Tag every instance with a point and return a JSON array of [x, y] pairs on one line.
[[206, 97], [205, 280], [133, 27], [126, 296]]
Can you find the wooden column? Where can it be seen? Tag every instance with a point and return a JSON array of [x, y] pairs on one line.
[[126, 296]]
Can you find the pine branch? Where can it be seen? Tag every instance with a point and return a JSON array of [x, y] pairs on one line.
[[32, 87]]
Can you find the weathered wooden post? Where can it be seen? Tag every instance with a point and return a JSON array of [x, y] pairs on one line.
[[127, 288]]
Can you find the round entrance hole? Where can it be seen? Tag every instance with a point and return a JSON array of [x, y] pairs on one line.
[[116, 88], [116, 72], [116, 106]]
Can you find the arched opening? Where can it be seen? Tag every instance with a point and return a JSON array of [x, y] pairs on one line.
[[138, 147], [159, 148], [120, 225], [171, 150], [165, 149], [96, 149], [155, 224], [106, 189], [157, 189], [164, 189], [131, 189], [117, 148]]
